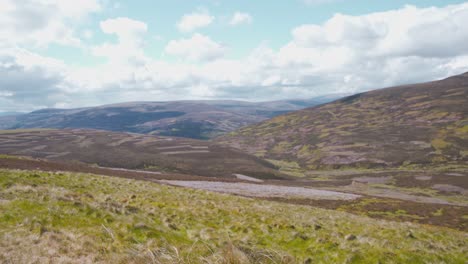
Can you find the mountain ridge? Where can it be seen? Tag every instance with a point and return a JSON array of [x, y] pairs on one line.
[[199, 119]]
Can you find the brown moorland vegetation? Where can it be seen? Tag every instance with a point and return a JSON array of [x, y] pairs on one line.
[[135, 151], [422, 124]]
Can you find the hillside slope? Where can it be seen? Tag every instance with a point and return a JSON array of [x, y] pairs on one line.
[[412, 124], [81, 218], [134, 151], [191, 119]]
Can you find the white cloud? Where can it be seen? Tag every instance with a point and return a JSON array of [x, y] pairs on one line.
[[69, 8], [129, 48], [240, 18], [38, 23], [87, 34], [29, 81], [429, 32], [344, 54], [405, 45], [123, 27], [193, 21], [196, 48]]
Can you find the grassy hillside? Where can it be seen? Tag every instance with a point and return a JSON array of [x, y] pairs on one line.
[[134, 151], [426, 197], [82, 218], [422, 124]]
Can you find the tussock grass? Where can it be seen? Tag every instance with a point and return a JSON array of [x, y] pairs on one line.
[[82, 218], [3, 156]]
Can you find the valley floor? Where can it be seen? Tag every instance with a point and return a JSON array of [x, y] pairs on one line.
[[373, 193]]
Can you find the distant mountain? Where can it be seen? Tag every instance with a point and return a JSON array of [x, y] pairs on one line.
[[412, 124], [10, 113], [191, 119]]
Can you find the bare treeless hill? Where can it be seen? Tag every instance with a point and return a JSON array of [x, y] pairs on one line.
[[135, 151], [190, 119], [412, 124]]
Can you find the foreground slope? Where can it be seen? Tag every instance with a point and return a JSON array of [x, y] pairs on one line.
[[191, 119], [435, 201], [82, 218], [413, 124], [134, 151]]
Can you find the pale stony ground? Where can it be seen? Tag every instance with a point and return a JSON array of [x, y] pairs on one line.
[[140, 171], [396, 194], [373, 180], [450, 188], [185, 152], [247, 178], [263, 190]]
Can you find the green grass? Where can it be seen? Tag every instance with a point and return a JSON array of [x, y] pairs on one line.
[[289, 168], [397, 214], [68, 217], [458, 199], [3, 156]]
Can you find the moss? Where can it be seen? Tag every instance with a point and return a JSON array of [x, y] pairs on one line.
[[415, 98], [462, 131], [288, 167], [304, 151], [439, 212], [440, 144], [281, 147], [439, 159], [436, 115], [260, 153], [2, 156]]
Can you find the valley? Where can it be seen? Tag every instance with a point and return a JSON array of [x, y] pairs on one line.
[[394, 194], [189, 119], [360, 174], [233, 132]]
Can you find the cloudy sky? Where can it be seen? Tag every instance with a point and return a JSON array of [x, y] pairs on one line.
[[57, 53]]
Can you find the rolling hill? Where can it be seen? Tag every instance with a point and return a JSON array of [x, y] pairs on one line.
[[423, 124], [134, 151], [191, 119]]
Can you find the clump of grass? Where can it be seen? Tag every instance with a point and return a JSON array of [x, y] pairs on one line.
[[3, 156], [79, 218], [440, 144], [288, 167]]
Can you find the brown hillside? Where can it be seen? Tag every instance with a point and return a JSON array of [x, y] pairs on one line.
[[412, 124], [134, 151]]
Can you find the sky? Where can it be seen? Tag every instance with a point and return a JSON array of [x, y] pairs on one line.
[[60, 54]]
